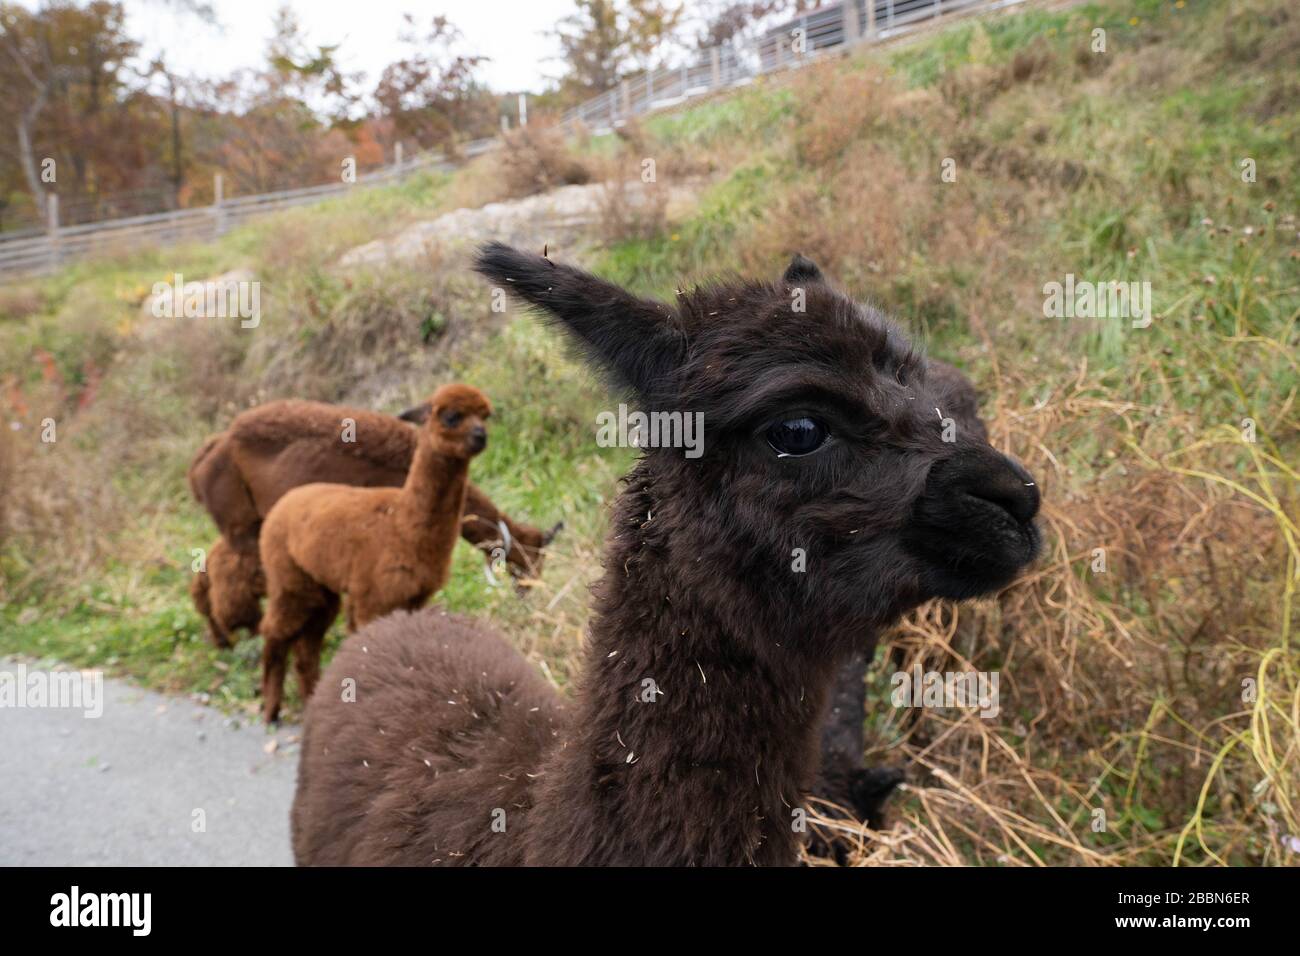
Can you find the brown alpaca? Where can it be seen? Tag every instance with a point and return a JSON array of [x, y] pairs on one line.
[[385, 548], [693, 738], [240, 474], [228, 592]]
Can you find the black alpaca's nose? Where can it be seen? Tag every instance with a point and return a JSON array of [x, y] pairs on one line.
[[973, 525], [960, 489], [999, 480]]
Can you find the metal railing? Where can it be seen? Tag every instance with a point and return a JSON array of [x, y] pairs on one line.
[[26, 254], [831, 29]]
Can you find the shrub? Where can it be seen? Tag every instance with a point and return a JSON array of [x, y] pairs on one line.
[[536, 158]]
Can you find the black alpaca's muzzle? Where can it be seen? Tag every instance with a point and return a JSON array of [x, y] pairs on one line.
[[973, 525]]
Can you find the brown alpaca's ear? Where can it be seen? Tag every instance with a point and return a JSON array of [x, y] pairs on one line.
[[639, 341], [802, 269], [417, 415]]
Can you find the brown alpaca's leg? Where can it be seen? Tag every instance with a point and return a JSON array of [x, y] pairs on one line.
[[274, 655], [288, 614], [306, 650], [364, 608]]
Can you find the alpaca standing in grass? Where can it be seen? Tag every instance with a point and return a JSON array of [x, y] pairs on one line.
[[385, 548], [693, 738], [240, 474]]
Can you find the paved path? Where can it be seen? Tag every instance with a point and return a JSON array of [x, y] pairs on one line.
[[122, 788]]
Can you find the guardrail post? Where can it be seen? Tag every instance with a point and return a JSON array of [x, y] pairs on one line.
[[52, 227], [624, 99], [871, 19], [397, 158], [852, 29], [523, 110], [715, 68], [649, 91], [218, 210]]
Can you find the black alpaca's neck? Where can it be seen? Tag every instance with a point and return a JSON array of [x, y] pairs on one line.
[[433, 494], [712, 771]]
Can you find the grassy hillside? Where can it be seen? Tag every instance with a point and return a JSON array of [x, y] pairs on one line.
[[1163, 691]]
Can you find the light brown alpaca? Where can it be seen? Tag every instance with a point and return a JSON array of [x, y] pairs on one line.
[[386, 548]]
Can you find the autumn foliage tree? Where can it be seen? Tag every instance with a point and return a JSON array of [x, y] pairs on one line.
[[71, 119], [603, 42], [113, 133], [431, 96]]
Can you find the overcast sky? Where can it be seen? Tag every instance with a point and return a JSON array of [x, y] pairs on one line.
[[511, 32]]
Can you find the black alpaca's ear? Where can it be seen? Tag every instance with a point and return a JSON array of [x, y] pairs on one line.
[[637, 340], [802, 269], [417, 415]]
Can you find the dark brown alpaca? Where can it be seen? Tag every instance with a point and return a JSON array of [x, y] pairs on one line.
[[241, 473], [693, 738], [385, 548]]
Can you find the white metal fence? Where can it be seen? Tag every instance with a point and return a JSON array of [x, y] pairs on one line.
[[30, 255], [830, 29]]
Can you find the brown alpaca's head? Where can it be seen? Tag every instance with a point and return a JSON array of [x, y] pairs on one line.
[[837, 485], [456, 420]]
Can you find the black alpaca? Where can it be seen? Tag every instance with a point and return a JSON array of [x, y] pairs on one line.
[[821, 435], [843, 780]]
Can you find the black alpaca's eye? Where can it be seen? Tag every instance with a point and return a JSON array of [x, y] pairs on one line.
[[451, 419], [797, 436]]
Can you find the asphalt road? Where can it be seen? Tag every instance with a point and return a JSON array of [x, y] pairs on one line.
[[124, 788]]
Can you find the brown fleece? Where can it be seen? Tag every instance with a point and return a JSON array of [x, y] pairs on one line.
[[239, 474], [228, 592], [386, 548]]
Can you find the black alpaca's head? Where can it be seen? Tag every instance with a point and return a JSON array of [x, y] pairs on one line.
[[841, 483]]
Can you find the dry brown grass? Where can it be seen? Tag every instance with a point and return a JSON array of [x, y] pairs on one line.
[[19, 300], [848, 108], [538, 157], [56, 491], [632, 210], [8, 476]]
